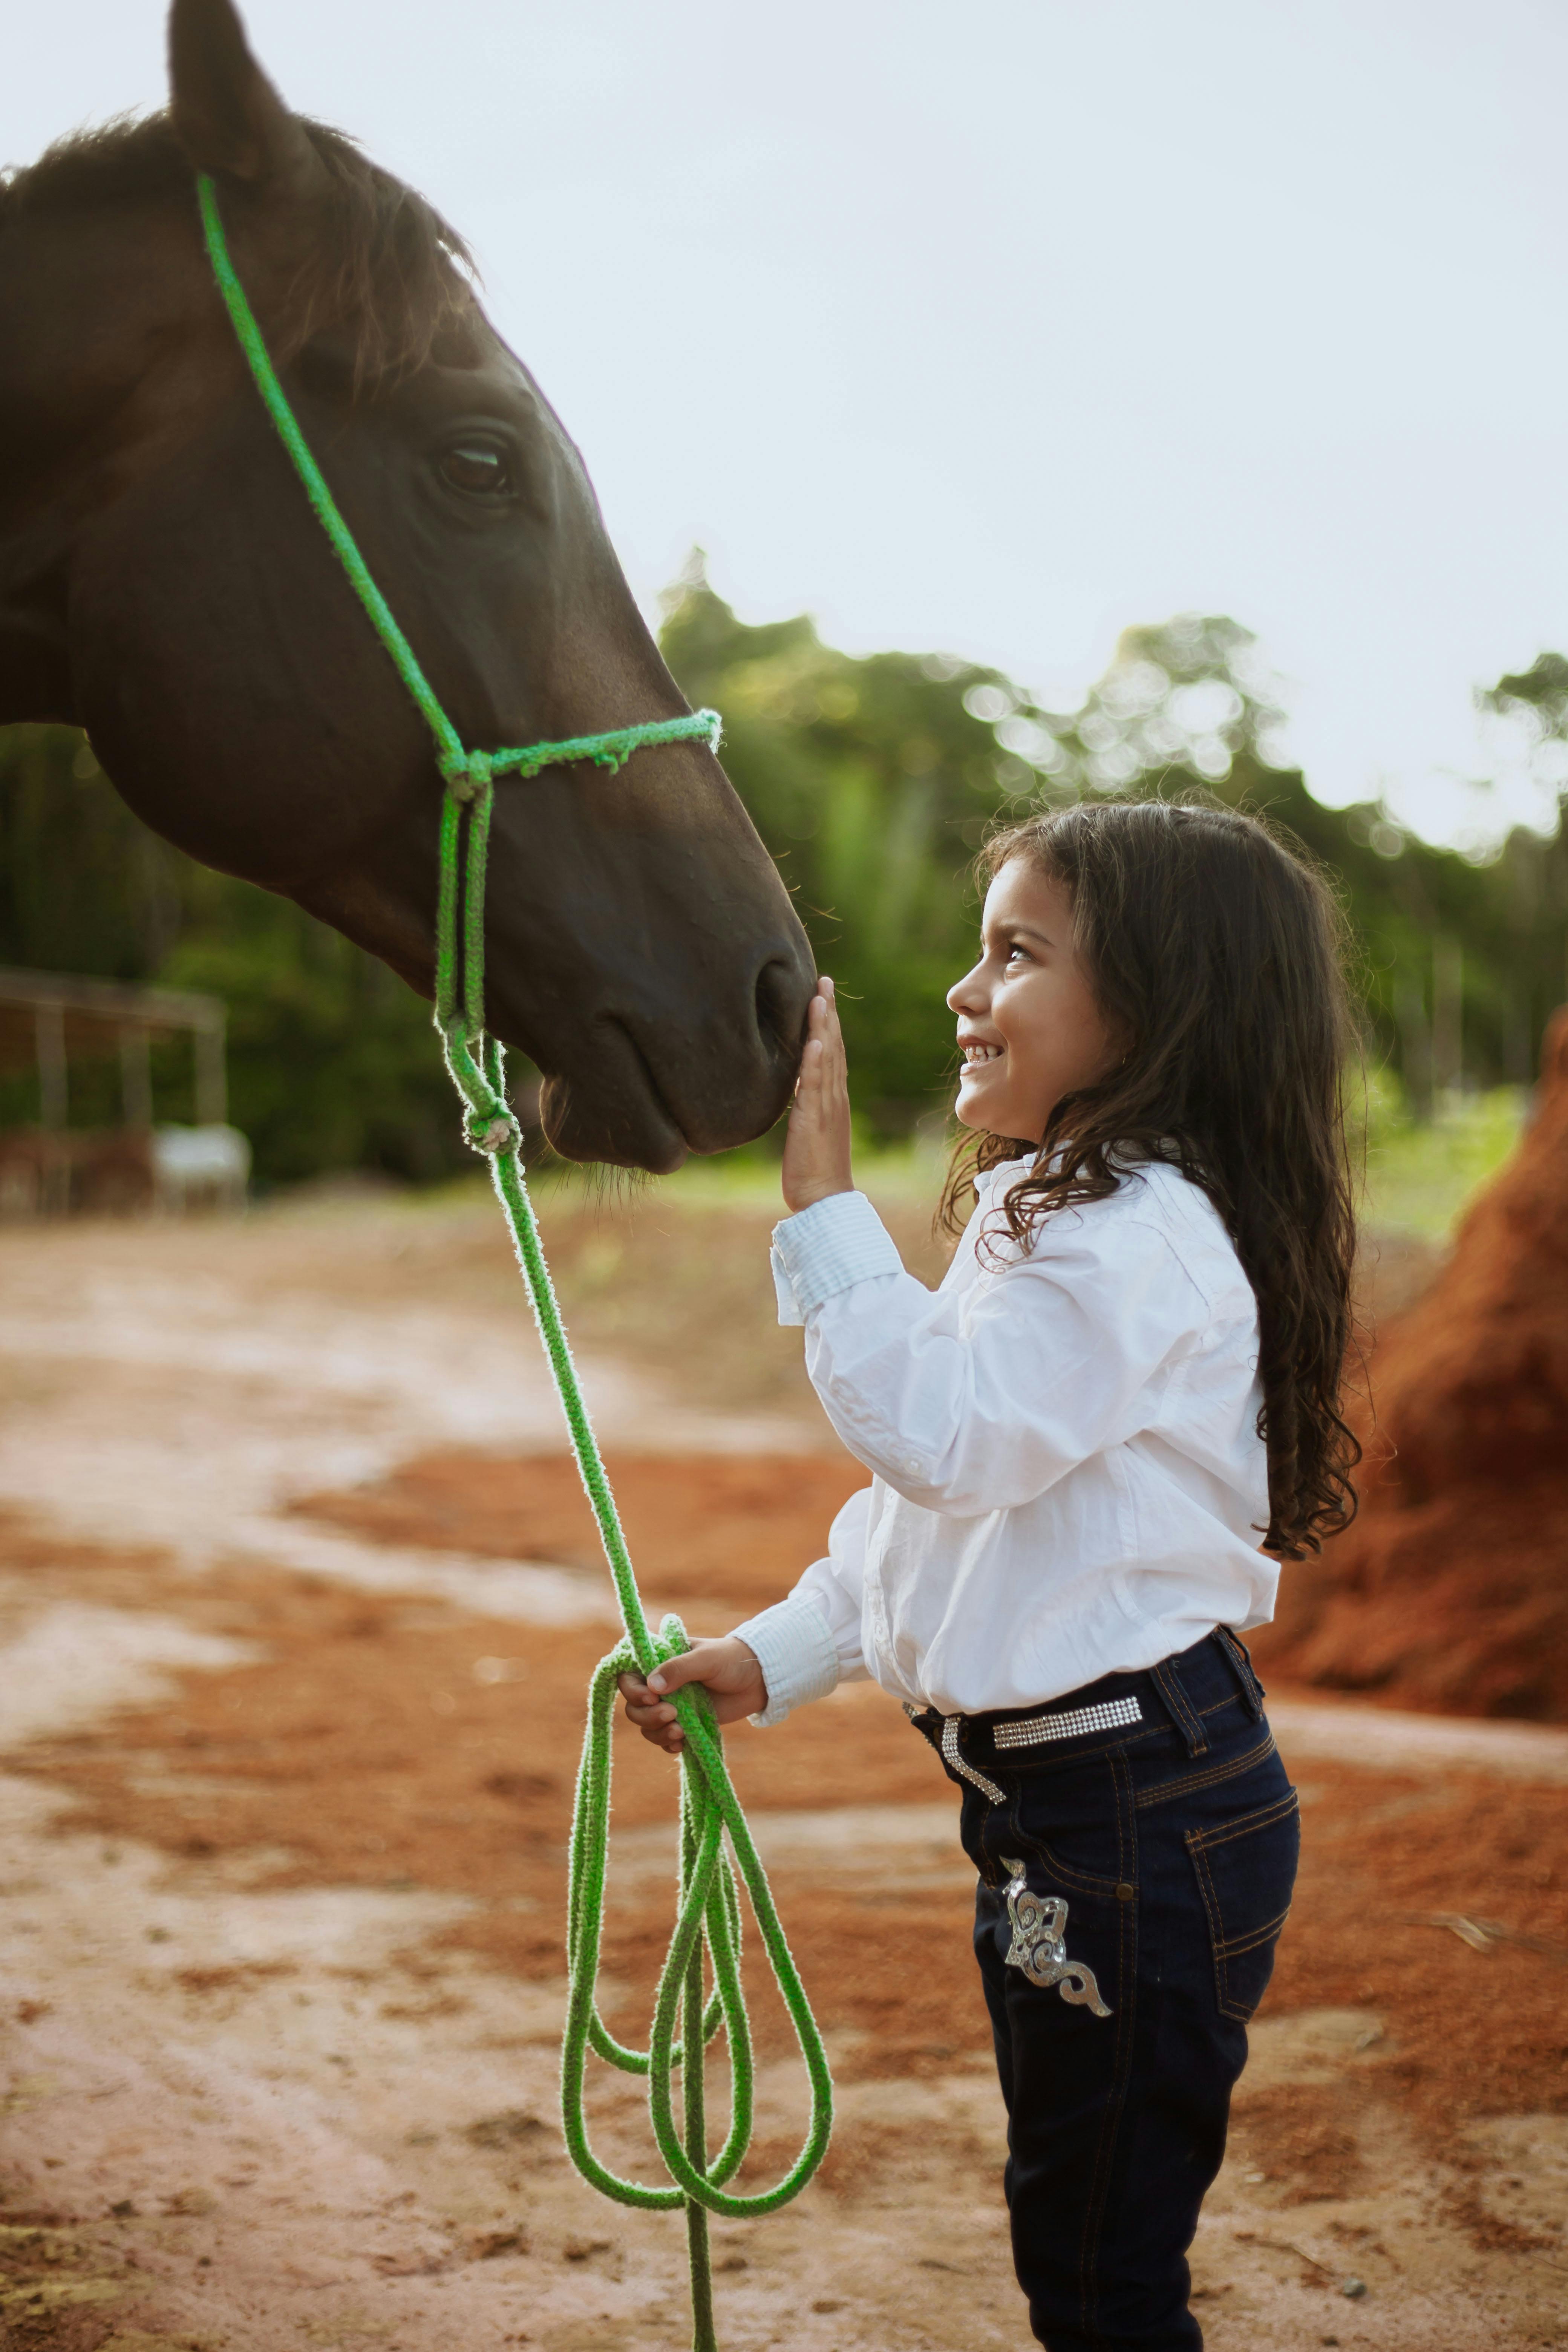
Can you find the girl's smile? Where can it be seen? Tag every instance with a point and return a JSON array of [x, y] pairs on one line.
[[1029, 1027]]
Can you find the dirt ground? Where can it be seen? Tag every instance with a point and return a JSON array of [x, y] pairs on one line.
[[299, 1599]]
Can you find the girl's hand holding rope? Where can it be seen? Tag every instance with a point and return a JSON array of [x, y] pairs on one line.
[[725, 1667]]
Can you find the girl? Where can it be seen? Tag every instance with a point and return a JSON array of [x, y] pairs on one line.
[[1089, 1447]]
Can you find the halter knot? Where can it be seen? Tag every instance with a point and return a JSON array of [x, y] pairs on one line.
[[467, 774], [490, 1135]]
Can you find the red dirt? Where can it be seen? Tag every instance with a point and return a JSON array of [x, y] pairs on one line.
[[363, 1750], [1448, 1592], [313, 2102], [708, 1526]]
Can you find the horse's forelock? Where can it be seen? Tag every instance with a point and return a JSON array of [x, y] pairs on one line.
[[384, 264]]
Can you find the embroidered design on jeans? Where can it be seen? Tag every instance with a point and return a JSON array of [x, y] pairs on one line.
[[1038, 1945]]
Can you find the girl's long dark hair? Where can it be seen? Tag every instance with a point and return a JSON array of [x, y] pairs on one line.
[[1214, 950]]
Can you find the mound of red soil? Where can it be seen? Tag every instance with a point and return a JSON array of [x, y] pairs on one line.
[[1450, 1589]]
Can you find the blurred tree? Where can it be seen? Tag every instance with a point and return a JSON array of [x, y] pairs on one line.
[[1540, 694], [872, 781], [83, 886], [331, 1059], [1462, 954]]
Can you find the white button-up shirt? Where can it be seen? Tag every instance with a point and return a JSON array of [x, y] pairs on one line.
[[1068, 1478]]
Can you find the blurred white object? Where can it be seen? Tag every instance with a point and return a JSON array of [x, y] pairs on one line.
[[200, 1167]]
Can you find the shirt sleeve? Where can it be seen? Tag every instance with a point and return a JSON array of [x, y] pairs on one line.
[[981, 1400], [826, 1247], [809, 1644]]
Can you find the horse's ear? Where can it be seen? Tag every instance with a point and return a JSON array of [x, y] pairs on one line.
[[225, 113]]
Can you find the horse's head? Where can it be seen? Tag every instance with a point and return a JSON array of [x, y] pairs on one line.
[[165, 583]]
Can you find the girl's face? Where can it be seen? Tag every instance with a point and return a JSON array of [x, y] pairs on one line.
[[1028, 1026]]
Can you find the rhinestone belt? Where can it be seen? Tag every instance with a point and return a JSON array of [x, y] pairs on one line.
[[1033, 1731]]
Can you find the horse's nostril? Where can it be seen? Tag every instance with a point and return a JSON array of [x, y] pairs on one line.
[[782, 993]]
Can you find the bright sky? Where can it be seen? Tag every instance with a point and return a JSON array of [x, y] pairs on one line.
[[993, 328]]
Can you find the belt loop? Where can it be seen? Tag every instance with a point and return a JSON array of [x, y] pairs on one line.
[[1240, 1658], [1183, 1714]]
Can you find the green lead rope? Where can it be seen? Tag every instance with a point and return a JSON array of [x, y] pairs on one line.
[[708, 1916]]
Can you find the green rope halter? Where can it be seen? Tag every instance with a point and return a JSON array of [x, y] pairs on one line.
[[709, 1908]]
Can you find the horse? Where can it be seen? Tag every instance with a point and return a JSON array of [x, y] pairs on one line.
[[165, 584]]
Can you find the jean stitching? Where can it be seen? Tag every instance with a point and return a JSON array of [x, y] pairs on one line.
[[1237, 1947], [1126, 1991], [1088, 2294], [1263, 1818], [984, 1866], [1199, 1843], [1192, 1782], [1063, 2269], [1252, 1690], [1216, 1945], [1187, 1722], [1081, 1881], [1078, 1879]]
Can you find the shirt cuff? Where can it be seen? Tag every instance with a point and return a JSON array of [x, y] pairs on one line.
[[827, 1248], [793, 1646]]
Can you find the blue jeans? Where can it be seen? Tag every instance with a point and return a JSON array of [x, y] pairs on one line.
[[1133, 1881]]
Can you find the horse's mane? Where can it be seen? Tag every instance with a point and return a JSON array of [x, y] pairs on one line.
[[389, 268]]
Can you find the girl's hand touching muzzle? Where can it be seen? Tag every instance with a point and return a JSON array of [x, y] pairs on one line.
[[817, 1144]]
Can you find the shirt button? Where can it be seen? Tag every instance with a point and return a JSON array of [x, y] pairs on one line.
[[913, 1466], [1124, 1894]]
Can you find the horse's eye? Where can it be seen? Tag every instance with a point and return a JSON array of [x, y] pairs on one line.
[[478, 467]]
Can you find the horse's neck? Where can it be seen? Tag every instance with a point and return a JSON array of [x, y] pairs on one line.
[[34, 665], [82, 308]]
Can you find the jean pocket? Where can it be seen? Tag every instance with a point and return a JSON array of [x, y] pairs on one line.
[[1071, 1823], [1245, 1873]]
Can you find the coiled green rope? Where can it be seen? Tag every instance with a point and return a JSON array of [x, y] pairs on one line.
[[709, 1909]]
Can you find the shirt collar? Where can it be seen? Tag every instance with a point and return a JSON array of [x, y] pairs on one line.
[[1006, 1171]]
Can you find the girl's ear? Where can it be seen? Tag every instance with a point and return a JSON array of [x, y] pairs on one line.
[[225, 113]]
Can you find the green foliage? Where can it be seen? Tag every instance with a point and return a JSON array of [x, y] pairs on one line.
[[83, 886], [1539, 694], [872, 781], [332, 1060], [1189, 703], [1421, 1175], [332, 1063]]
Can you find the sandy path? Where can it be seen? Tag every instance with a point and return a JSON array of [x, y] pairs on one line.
[[178, 1387], [265, 2117]]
